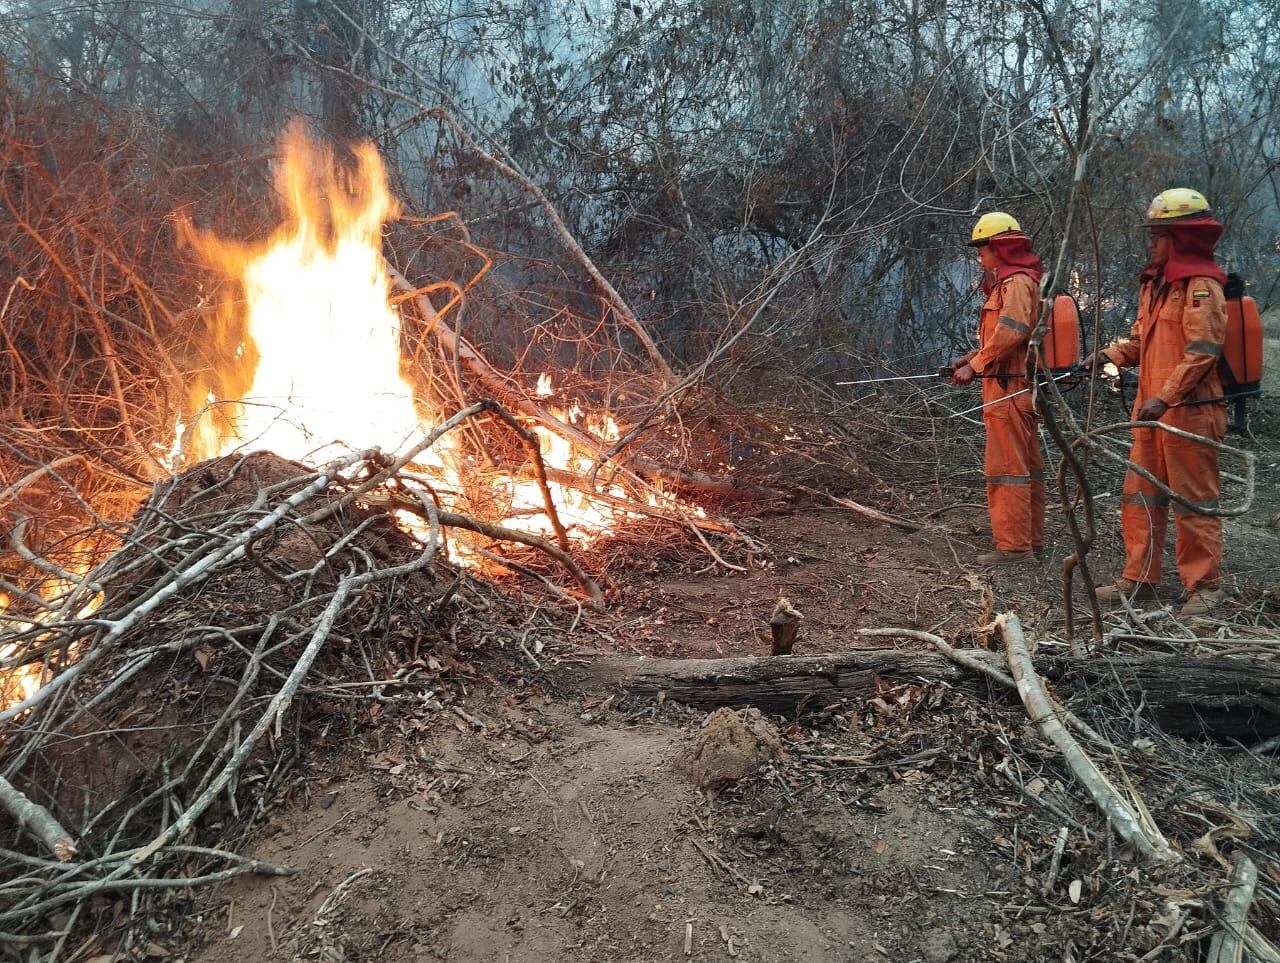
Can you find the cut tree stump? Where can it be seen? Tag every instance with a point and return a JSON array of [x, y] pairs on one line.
[[1222, 698], [784, 626]]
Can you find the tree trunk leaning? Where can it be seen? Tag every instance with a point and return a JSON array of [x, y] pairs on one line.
[[1125, 819]]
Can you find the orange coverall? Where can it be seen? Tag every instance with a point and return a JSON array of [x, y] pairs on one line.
[[1013, 464], [1175, 343]]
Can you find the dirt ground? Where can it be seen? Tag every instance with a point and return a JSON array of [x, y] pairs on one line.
[[588, 846], [544, 819]]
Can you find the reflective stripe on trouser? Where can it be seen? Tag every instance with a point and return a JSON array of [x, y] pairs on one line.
[[1014, 469], [1191, 470]]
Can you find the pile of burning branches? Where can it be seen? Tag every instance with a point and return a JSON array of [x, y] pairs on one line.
[[135, 343], [250, 597], [176, 616]]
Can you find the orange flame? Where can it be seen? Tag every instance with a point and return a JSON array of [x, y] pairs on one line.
[[320, 337], [312, 348], [18, 683], [308, 359]]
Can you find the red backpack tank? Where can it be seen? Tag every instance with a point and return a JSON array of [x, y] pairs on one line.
[[1061, 344], [1240, 365], [1241, 361]]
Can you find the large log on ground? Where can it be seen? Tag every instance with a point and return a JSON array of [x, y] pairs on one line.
[[1223, 698]]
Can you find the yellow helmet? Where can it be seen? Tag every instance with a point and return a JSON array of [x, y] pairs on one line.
[[1174, 204], [991, 225]]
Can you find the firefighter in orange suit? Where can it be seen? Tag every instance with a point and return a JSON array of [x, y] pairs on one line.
[[1013, 464], [1175, 342]]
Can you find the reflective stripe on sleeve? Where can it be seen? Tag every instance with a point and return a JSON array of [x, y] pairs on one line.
[[1204, 347], [1015, 325]]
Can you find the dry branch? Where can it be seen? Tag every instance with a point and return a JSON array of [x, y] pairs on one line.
[[1262, 948], [1228, 944], [233, 550], [973, 659], [1248, 458], [238, 549], [1055, 861], [279, 703], [671, 514], [873, 514], [503, 387], [620, 306], [1145, 837], [37, 821], [534, 448], [503, 534], [976, 659]]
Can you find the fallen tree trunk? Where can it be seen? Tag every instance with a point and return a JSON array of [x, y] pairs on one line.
[[1222, 698]]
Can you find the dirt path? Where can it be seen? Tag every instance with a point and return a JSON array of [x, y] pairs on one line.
[[542, 837]]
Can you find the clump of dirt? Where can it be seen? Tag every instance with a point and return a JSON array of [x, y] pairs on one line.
[[729, 747]]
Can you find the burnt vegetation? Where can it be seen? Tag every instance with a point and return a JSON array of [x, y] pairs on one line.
[[656, 234]]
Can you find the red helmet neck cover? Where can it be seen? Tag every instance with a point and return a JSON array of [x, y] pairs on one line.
[[1191, 244], [1013, 255]]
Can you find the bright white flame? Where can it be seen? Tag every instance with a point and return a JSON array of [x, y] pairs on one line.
[[314, 296], [320, 358]]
